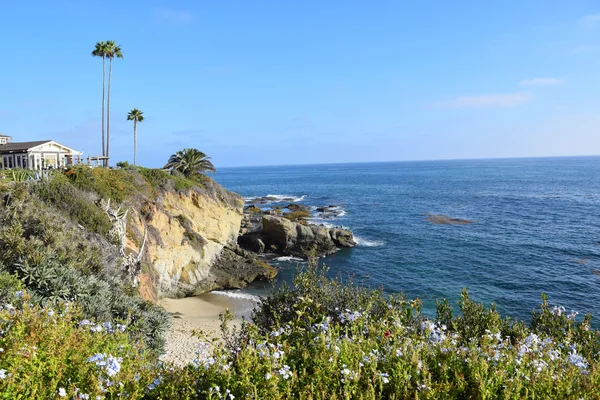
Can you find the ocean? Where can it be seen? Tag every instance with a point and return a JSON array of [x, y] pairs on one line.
[[535, 227]]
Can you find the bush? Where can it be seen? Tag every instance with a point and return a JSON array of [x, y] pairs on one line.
[[50, 352], [61, 193], [326, 339]]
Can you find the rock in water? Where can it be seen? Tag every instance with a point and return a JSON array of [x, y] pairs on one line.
[[292, 238]]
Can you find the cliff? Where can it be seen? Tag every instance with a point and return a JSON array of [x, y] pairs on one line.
[[167, 235], [191, 242]]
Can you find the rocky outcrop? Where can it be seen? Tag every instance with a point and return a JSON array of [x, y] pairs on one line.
[[192, 242], [280, 235]]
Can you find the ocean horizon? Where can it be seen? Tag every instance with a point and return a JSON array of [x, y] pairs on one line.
[[533, 230]]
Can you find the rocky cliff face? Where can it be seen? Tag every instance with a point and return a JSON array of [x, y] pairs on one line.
[[191, 244]]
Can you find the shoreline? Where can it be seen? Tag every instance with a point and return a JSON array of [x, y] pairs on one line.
[[200, 315]]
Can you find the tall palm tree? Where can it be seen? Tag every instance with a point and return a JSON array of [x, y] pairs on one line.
[[112, 50], [136, 116], [100, 51], [190, 162]]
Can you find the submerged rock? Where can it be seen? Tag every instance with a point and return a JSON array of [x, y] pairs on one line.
[[444, 219]]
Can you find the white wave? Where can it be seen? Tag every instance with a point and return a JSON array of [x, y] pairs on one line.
[[237, 295], [289, 258], [342, 213], [318, 221], [284, 197], [368, 243]]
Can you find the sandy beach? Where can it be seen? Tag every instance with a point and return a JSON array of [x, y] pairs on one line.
[[197, 314]]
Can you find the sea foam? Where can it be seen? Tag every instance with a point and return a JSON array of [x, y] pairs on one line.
[[235, 294], [368, 243]]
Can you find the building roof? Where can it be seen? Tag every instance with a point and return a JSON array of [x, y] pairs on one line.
[[20, 146], [6, 136]]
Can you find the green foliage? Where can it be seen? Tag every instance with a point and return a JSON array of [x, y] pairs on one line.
[[190, 162], [61, 193], [326, 339], [122, 164], [55, 263], [48, 352], [115, 184], [21, 175]]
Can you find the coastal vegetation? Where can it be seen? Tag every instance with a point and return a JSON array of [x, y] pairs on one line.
[[321, 338]]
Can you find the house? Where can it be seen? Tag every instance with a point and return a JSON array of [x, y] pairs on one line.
[[40, 154]]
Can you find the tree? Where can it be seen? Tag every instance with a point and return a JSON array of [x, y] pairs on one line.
[[112, 50], [136, 116], [100, 51], [190, 162]]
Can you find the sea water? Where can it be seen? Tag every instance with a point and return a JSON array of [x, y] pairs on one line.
[[535, 227]]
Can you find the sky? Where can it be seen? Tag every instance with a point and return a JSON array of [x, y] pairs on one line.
[[305, 82]]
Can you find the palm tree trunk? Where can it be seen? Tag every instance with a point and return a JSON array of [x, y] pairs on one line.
[[108, 115], [103, 101], [134, 140]]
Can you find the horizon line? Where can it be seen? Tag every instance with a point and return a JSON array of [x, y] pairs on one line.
[[408, 161]]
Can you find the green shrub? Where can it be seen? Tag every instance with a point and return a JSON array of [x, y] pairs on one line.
[[324, 339], [114, 184], [61, 193], [50, 352]]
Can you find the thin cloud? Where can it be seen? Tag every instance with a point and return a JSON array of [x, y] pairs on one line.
[[584, 49], [164, 15], [486, 101], [541, 82], [590, 21]]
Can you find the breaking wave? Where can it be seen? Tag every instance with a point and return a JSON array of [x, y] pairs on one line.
[[237, 295], [368, 243]]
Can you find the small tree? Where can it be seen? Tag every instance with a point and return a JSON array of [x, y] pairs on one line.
[[190, 162]]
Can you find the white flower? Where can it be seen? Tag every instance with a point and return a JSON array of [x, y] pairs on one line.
[[62, 392], [2, 373], [285, 372], [267, 376]]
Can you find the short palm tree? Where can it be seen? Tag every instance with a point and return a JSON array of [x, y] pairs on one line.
[[190, 162], [113, 50], [100, 51], [136, 116]]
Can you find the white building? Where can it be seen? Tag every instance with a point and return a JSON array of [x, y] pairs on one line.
[[36, 155]]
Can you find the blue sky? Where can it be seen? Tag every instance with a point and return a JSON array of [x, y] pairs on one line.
[[279, 82]]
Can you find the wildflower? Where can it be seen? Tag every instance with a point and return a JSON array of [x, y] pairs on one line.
[[50, 313], [558, 311], [384, 377], [578, 360], [62, 392], [154, 384], [267, 376], [572, 315], [110, 364], [19, 294], [2, 373], [285, 372]]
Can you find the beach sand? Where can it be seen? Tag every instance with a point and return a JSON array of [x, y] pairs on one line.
[[201, 314]]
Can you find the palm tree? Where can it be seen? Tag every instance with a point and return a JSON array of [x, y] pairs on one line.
[[190, 162], [100, 51], [136, 116], [112, 50]]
